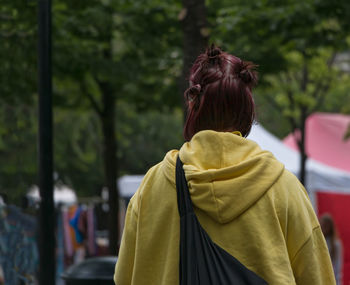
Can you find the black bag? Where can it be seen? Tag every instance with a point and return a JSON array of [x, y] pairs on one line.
[[201, 260]]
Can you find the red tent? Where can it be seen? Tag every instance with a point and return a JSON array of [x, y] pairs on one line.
[[325, 139], [325, 143]]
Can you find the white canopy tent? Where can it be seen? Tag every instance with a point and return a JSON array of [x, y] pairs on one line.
[[320, 177], [128, 185], [62, 195]]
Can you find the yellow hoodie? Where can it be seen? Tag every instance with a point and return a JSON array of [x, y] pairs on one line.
[[246, 201]]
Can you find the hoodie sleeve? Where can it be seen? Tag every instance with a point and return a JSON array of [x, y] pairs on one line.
[[125, 264], [311, 264], [307, 248]]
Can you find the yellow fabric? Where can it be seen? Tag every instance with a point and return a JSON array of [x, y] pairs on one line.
[[238, 133], [246, 201]]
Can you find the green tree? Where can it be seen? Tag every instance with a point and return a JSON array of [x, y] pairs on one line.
[[145, 137], [295, 44], [304, 89], [18, 54], [100, 49], [18, 130], [17, 89]]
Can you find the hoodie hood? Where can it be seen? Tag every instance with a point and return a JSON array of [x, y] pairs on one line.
[[226, 173]]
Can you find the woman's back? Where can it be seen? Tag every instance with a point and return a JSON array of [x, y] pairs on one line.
[[244, 199]]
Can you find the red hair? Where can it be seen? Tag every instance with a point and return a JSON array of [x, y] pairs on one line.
[[219, 97]]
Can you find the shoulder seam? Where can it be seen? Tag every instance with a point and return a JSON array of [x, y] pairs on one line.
[[304, 243]]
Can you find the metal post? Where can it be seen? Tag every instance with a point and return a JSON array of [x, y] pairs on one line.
[[46, 213]]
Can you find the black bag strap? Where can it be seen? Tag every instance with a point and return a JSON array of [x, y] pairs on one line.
[[183, 195], [202, 262]]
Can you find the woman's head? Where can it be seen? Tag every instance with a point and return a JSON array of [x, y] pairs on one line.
[[330, 233], [327, 225], [220, 94]]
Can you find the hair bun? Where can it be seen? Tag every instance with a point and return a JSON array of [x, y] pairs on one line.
[[192, 93], [195, 89], [213, 53], [246, 76], [247, 73]]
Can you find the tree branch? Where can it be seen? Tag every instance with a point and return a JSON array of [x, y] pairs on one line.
[[6, 17], [331, 60], [305, 75], [289, 79], [321, 96], [19, 34], [293, 123], [273, 103], [321, 88], [92, 100]]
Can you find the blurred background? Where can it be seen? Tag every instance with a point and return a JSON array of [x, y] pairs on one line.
[[119, 70]]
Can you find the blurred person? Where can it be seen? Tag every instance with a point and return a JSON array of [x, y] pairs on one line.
[[2, 280], [334, 245], [245, 199], [18, 247]]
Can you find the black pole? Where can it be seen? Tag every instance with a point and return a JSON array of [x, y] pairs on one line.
[[46, 212]]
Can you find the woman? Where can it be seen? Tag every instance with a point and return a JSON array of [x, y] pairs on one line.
[[334, 245], [243, 197]]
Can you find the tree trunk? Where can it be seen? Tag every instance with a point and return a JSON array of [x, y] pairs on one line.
[[302, 150], [195, 36], [303, 117], [110, 164]]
